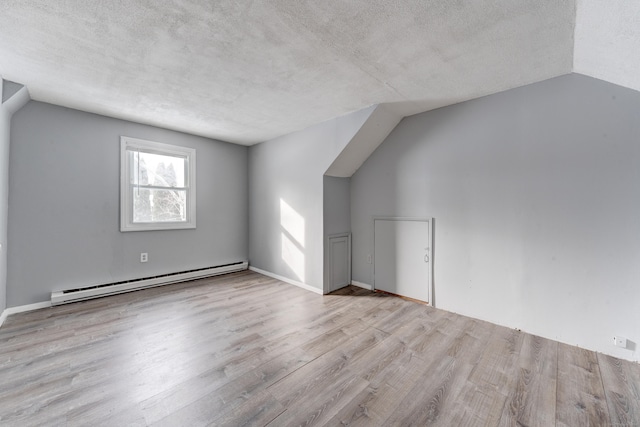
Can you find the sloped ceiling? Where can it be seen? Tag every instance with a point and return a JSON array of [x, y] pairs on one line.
[[607, 41], [248, 71]]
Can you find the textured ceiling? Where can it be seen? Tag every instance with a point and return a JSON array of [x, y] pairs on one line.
[[247, 71], [607, 41]]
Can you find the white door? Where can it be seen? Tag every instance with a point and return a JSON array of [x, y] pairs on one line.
[[403, 257], [339, 262]]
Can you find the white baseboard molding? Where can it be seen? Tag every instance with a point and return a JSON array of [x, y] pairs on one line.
[[286, 280], [22, 308], [361, 285]]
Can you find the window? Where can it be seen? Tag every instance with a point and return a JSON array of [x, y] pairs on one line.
[[157, 186]]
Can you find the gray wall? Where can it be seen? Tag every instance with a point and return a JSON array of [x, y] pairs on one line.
[[337, 205], [288, 171], [337, 213], [536, 198], [5, 121], [64, 205]]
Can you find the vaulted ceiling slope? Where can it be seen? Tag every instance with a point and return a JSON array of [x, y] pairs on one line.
[[247, 71], [607, 41]]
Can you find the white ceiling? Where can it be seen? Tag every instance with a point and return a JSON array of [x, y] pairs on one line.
[[248, 71], [607, 41]]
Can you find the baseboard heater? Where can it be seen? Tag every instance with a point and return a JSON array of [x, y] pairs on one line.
[[95, 291]]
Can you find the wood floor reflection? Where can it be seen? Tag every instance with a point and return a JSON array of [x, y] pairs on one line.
[[245, 349]]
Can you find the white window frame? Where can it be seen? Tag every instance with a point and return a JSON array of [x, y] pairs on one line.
[[127, 188]]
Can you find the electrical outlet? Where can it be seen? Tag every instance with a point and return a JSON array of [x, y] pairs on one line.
[[369, 259], [619, 341], [144, 257]]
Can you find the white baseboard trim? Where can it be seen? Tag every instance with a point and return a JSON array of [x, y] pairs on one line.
[[286, 280], [22, 308], [361, 285]]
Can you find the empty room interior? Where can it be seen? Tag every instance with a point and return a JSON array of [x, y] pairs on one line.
[[320, 213]]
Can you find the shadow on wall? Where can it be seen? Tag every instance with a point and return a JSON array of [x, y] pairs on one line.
[[292, 237]]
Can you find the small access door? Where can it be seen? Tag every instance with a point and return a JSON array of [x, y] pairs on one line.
[[403, 257], [339, 261]]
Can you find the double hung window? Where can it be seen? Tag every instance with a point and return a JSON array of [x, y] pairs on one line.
[[157, 186]]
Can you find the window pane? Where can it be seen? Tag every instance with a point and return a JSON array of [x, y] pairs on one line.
[[150, 205], [157, 169]]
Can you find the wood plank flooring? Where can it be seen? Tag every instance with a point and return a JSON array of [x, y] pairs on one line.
[[245, 349]]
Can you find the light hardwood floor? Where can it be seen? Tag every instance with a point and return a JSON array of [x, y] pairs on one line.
[[244, 349]]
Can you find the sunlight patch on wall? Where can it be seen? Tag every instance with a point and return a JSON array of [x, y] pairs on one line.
[[293, 256], [292, 222], [292, 237]]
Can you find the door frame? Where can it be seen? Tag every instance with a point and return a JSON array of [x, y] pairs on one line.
[[330, 257], [430, 221]]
